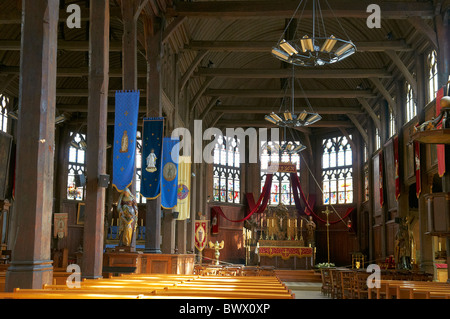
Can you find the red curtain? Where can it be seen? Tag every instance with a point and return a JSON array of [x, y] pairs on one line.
[[258, 208], [396, 167], [380, 160], [417, 166], [297, 188]]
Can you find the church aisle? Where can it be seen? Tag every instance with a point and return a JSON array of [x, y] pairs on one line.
[[306, 290]]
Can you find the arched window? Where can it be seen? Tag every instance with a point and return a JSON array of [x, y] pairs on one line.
[[337, 171], [3, 113], [432, 75], [392, 125], [281, 191], [411, 109], [77, 162], [227, 171]]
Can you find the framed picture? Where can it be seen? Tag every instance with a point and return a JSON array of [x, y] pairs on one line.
[[80, 214]]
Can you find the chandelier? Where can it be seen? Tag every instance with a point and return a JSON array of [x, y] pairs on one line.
[[288, 118], [315, 49]]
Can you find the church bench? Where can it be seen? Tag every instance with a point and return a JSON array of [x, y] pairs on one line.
[[388, 288], [418, 292], [438, 295]]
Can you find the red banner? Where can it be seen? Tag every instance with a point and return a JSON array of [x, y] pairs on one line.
[[440, 147], [200, 234], [380, 160], [417, 165], [396, 167]]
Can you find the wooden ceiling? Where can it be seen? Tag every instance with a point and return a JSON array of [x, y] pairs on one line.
[[223, 52]]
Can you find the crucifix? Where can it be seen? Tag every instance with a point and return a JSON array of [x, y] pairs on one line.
[[327, 212]]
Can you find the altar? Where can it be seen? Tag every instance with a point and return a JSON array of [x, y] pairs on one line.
[[285, 254]]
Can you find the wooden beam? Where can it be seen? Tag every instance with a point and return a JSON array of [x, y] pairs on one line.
[[200, 92], [285, 9], [281, 93], [370, 111], [208, 108], [403, 69], [256, 123], [75, 46], [266, 46], [71, 72], [246, 109], [197, 60], [287, 73], [385, 93], [173, 26], [423, 27], [359, 127], [96, 142]]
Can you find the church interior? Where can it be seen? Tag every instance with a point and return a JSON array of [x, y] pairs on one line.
[[172, 148]]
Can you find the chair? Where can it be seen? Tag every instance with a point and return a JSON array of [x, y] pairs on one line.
[[347, 284], [336, 290], [326, 281], [361, 289]]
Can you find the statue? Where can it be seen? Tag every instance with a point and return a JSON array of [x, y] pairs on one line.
[[124, 144], [151, 162], [310, 229], [128, 216], [404, 245]]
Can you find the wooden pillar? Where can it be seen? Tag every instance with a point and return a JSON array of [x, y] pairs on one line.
[[96, 138], [372, 190], [181, 226], [31, 266], [154, 109], [168, 244]]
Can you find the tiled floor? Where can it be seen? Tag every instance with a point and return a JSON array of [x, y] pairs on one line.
[[306, 290]]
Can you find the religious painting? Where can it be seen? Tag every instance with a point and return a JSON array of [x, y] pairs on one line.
[[60, 225], [80, 213]]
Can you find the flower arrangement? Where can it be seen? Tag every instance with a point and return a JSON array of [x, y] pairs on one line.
[[325, 265]]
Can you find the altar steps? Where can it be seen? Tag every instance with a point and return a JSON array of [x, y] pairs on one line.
[[298, 275]]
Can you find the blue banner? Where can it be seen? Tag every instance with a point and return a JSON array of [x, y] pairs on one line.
[[169, 181], [152, 146], [124, 149]]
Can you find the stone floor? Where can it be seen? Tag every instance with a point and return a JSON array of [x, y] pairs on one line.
[[306, 290]]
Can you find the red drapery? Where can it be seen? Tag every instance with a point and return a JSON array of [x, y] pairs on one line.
[[258, 208], [297, 188], [397, 168]]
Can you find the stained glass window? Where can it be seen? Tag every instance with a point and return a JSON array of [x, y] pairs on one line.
[[77, 160], [281, 191], [337, 171], [432, 76], [226, 170]]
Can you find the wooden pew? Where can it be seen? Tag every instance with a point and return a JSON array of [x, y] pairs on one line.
[[389, 288], [164, 286]]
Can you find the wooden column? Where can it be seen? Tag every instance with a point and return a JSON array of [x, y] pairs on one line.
[[154, 109], [31, 266], [96, 138], [130, 16], [181, 226], [168, 244]]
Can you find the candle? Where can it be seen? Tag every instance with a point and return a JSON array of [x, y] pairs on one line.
[[272, 222], [261, 223], [301, 223], [295, 223], [289, 223]]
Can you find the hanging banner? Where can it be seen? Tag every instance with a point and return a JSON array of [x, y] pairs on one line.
[[152, 146], [417, 166], [125, 129], [169, 181], [380, 156], [440, 148], [396, 168], [184, 188], [215, 217], [200, 234]]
